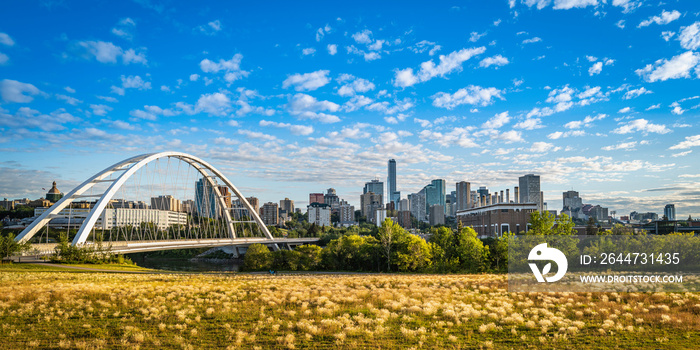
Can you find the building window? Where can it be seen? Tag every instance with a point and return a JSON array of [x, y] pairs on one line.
[[504, 228]]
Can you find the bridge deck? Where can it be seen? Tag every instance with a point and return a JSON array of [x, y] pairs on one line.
[[125, 247]]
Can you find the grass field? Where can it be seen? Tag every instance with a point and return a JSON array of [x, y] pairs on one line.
[[90, 310]]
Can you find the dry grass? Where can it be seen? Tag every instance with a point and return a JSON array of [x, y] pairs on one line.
[[64, 310]]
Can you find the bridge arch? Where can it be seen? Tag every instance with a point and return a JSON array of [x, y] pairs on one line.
[[128, 167]]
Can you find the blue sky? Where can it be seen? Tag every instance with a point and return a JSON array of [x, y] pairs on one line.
[[286, 99]]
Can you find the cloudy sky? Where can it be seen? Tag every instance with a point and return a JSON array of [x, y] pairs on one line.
[[596, 96]]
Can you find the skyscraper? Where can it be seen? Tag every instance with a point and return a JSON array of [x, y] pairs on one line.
[[394, 195], [530, 190], [670, 211], [435, 194], [375, 186], [463, 195], [205, 199], [287, 205]]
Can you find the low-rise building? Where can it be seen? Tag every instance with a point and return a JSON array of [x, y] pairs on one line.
[[319, 214], [495, 219]]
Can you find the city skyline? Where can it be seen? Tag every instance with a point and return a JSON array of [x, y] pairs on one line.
[[288, 101]]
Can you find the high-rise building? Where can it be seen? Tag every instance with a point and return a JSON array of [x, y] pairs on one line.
[[464, 198], [166, 202], [205, 199], [437, 215], [670, 212], [392, 193], [435, 194], [270, 213], [418, 207], [315, 198], [255, 203], [319, 214], [287, 205], [530, 190], [347, 214], [571, 201], [375, 186], [405, 205], [405, 219], [332, 199], [370, 202]]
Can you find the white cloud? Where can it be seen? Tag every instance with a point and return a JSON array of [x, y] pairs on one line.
[[294, 129], [677, 110], [636, 93], [586, 122], [642, 125], [363, 37], [656, 106], [308, 51], [690, 36], [529, 124], [194, 77], [664, 18], [511, 136], [569, 4], [332, 49], [218, 104], [558, 134], [627, 5], [6, 39], [131, 82], [124, 28], [532, 40], [304, 106], [667, 35], [106, 52], [620, 24], [26, 118], [18, 92], [625, 110], [497, 60], [307, 81], [448, 64], [473, 95], [596, 68], [677, 67], [69, 99], [322, 31], [475, 36], [232, 67], [541, 147], [368, 56], [423, 123], [690, 141], [456, 137], [257, 135], [4, 58], [425, 45], [211, 28], [355, 85], [681, 154], [497, 121], [100, 110], [628, 146]]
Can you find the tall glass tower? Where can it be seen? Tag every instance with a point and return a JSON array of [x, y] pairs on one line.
[[394, 195]]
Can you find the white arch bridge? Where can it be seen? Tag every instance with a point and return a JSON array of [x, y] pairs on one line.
[[211, 213]]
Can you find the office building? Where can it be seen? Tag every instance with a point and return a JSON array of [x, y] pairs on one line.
[[374, 186], [166, 202], [530, 190], [319, 214], [316, 198], [435, 194], [670, 212], [392, 193], [205, 199], [287, 205], [369, 203], [437, 215], [347, 214], [269, 213], [418, 206], [464, 199]]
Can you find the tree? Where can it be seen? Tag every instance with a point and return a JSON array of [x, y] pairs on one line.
[[591, 229], [9, 247], [543, 223], [470, 251], [257, 257], [413, 254], [388, 234], [309, 256]]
